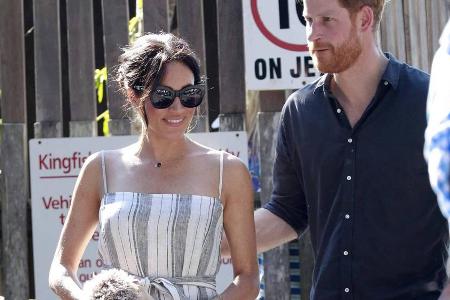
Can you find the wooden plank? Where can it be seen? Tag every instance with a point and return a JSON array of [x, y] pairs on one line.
[[306, 264], [115, 33], [277, 282], [271, 101], [417, 44], [12, 58], [211, 53], [47, 62], [13, 146], [231, 122], [432, 24], [2, 200], [199, 122], [80, 38], [83, 128], [191, 28], [231, 57], [48, 129], [392, 30], [156, 16], [14, 211], [436, 19]]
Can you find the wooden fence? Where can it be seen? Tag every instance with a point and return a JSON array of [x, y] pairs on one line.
[[49, 50]]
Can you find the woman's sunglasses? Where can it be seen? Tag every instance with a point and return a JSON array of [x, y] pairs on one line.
[[190, 96]]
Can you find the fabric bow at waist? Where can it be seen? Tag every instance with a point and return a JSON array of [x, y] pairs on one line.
[[172, 286]]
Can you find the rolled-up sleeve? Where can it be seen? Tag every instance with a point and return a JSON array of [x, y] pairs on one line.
[[288, 199]]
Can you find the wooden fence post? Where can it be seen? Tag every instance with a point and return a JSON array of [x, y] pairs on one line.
[[231, 65], [416, 34], [191, 28], [115, 32], [276, 280], [156, 16], [437, 17], [80, 37], [14, 146], [391, 30], [271, 103], [47, 57]]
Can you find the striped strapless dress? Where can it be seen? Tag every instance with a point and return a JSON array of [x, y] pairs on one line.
[[170, 241]]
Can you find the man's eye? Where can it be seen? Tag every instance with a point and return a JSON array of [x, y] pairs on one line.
[[308, 20], [327, 19]]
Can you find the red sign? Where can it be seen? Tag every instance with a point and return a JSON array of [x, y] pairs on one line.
[[269, 35]]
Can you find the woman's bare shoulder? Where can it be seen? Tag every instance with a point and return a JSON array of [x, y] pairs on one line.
[[213, 154], [119, 155]]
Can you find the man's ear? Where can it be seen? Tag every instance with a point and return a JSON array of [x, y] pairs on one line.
[[365, 19]]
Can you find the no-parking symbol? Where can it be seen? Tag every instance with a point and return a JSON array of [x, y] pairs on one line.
[[276, 52]]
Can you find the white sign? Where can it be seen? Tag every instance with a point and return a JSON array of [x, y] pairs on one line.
[[54, 167], [276, 52]]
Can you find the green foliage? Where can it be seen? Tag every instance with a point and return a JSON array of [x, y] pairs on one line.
[[133, 26], [105, 116], [100, 78], [135, 30]]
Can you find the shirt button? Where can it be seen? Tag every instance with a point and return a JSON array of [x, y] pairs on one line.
[[350, 141], [339, 110], [349, 177], [347, 216], [345, 253], [385, 83], [346, 290]]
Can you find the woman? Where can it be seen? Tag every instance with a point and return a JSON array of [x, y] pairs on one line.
[[161, 202]]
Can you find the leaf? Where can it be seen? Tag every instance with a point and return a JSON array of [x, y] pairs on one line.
[[105, 116], [100, 78]]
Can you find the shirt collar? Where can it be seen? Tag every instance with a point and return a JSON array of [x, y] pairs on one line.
[[391, 75], [392, 72]]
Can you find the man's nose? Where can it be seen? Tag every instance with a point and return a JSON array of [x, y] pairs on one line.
[[313, 32]]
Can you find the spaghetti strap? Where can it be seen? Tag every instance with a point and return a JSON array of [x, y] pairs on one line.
[[105, 187], [221, 174]]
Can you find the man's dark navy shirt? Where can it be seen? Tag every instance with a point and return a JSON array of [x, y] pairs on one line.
[[376, 229]]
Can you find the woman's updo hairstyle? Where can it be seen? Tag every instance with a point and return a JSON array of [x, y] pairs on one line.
[[142, 65]]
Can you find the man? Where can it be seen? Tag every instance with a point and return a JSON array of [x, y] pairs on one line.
[[437, 135], [349, 166]]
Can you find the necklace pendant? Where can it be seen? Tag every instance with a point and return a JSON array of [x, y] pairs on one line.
[[158, 165]]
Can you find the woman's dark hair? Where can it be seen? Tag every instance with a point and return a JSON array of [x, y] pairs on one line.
[[142, 64]]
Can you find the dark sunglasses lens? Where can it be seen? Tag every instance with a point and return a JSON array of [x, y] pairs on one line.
[[191, 96], [162, 98]]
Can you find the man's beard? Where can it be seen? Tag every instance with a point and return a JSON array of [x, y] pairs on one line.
[[338, 59]]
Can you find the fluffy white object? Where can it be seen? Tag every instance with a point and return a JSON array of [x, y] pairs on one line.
[[112, 284]]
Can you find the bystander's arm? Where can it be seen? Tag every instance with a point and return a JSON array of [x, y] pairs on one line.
[[437, 135]]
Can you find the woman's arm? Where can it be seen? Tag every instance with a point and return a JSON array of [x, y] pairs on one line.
[[77, 231], [237, 197]]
